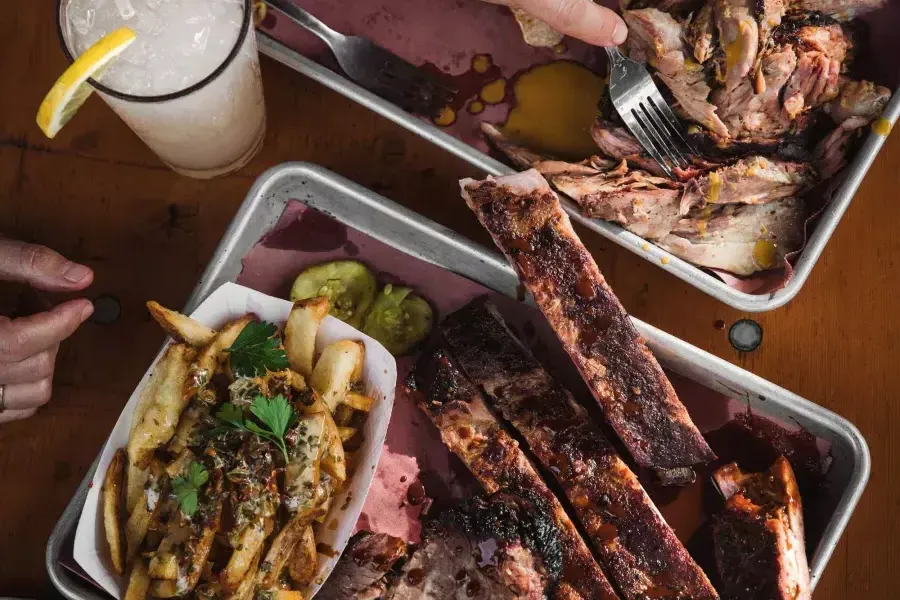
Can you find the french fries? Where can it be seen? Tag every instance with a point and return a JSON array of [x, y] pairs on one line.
[[113, 510], [358, 401], [165, 495], [182, 328], [300, 333], [159, 420], [138, 582], [339, 366], [303, 561], [246, 551], [244, 591]]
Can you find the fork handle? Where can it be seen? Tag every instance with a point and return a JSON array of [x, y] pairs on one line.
[[307, 21], [615, 57]]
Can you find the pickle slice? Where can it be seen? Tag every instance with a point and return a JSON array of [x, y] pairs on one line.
[[399, 319], [349, 286]]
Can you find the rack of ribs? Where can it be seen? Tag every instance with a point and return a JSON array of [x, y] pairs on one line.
[[638, 549], [526, 221], [472, 433], [759, 537]]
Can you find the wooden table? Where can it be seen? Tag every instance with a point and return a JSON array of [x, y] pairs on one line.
[[99, 196]]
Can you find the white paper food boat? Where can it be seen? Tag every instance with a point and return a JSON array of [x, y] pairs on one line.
[[379, 379]]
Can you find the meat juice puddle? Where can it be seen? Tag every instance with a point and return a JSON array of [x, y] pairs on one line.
[[553, 105]]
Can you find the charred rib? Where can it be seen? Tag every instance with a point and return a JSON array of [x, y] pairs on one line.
[[524, 217]]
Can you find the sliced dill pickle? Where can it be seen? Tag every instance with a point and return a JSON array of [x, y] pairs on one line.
[[399, 319], [349, 286]]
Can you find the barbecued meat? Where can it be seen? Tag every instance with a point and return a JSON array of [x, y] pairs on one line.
[[738, 37], [646, 204], [518, 155], [655, 37], [741, 239], [859, 103], [701, 34], [759, 539], [471, 432], [638, 550], [524, 217], [502, 547], [860, 99], [361, 570], [535, 32], [768, 15], [670, 6], [840, 9], [822, 51], [615, 141], [759, 116], [754, 180]]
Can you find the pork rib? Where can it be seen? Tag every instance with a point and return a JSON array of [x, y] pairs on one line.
[[638, 549], [526, 221], [759, 539], [471, 432]]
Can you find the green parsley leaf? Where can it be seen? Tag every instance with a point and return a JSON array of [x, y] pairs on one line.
[[276, 416], [256, 350], [186, 488], [275, 413], [231, 414]]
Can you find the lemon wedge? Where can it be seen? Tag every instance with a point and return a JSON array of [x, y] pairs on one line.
[[72, 88]]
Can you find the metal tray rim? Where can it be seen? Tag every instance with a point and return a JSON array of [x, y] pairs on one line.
[[685, 271], [74, 589]]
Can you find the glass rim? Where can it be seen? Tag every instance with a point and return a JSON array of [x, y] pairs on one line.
[[242, 36]]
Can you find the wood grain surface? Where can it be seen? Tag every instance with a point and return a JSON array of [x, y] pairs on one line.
[[100, 197]]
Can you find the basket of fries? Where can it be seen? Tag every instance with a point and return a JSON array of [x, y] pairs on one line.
[[240, 464]]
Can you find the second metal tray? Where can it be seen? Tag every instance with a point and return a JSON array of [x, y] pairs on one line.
[[396, 226], [685, 271]]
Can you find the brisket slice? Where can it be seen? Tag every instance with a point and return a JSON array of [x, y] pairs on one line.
[[498, 548], [637, 548], [759, 538], [361, 570], [526, 221], [472, 433]]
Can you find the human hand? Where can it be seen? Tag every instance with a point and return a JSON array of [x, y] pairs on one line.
[[28, 345], [581, 19]]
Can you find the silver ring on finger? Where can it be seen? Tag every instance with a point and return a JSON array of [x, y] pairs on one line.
[[2, 399]]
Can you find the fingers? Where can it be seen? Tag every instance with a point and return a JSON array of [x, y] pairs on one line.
[[21, 338], [27, 396], [41, 267], [581, 19], [33, 368], [16, 415]]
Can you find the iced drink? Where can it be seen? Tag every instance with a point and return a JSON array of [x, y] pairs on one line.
[[189, 85]]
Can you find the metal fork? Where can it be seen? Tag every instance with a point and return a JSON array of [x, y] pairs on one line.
[[637, 100], [376, 69]]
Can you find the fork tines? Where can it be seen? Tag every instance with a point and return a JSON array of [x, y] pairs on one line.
[[657, 129]]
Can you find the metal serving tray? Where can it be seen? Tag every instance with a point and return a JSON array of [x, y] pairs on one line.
[[693, 275], [403, 229]]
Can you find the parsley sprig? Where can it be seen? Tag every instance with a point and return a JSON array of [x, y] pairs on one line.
[[276, 416], [256, 350], [187, 486]]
